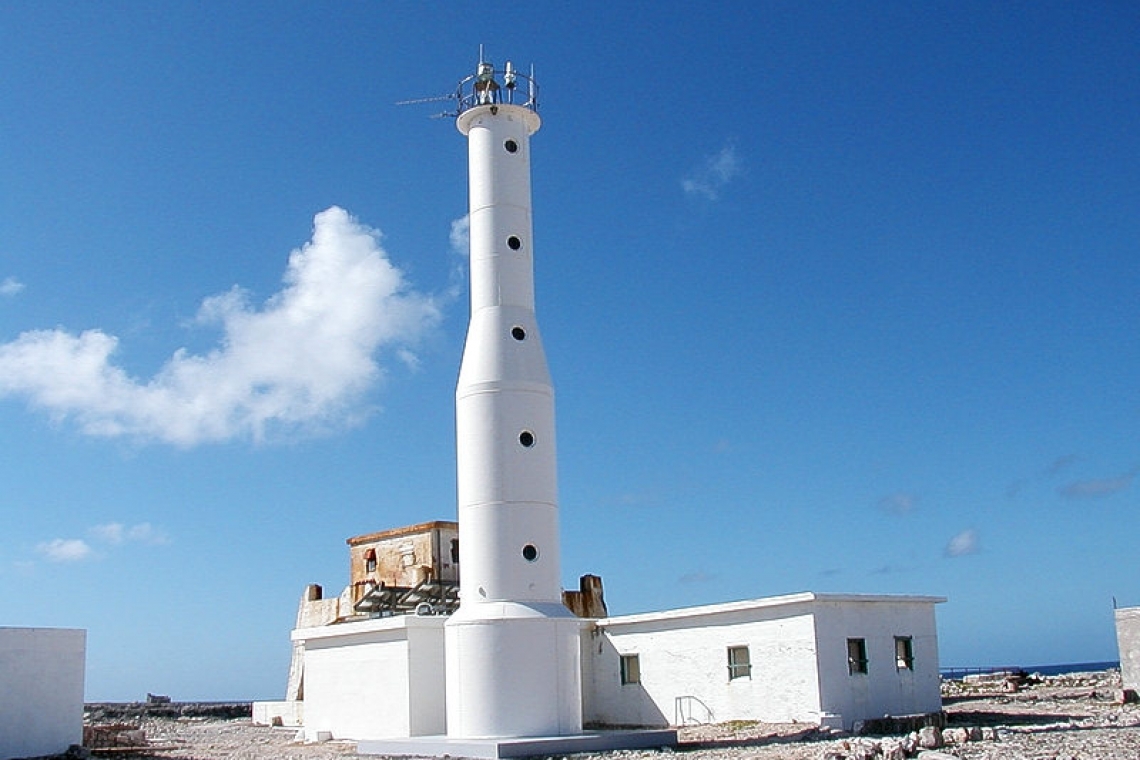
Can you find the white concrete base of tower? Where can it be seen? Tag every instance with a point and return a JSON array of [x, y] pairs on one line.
[[513, 670], [528, 746]]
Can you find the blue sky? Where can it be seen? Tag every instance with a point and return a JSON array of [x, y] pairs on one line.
[[836, 297]]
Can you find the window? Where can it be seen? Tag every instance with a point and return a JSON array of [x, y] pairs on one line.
[[739, 664], [370, 561], [904, 653], [857, 656], [630, 669]]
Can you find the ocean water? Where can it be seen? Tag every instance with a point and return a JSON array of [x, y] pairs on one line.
[[1045, 670]]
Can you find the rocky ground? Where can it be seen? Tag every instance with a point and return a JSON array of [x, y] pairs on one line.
[[1074, 717]]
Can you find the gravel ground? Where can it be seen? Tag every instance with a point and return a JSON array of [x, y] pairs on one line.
[[1076, 717]]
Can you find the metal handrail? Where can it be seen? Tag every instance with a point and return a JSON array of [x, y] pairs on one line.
[[491, 86]]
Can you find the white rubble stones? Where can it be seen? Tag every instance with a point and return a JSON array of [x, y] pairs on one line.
[[923, 744], [955, 736], [1035, 724], [892, 749], [930, 737]]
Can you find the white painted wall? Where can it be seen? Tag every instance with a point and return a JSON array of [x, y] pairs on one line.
[[374, 679], [385, 677], [427, 680], [885, 689], [797, 647], [684, 654], [41, 690], [1128, 640]]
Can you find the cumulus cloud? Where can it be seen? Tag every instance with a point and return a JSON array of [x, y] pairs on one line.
[[460, 237], [65, 550], [108, 535], [301, 362], [141, 533], [10, 286], [710, 177], [964, 543], [898, 503], [1091, 489]]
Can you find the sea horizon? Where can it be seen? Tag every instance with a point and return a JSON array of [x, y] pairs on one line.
[[1045, 670]]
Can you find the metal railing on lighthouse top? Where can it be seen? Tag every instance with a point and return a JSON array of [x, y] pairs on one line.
[[491, 86]]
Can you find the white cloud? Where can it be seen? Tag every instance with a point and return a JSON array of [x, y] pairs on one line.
[[111, 533], [301, 362], [141, 533], [65, 550], [10, 286], [459, 240], [900, 503], [1091, 489], [709, 178], [460, 237], [964, 543]]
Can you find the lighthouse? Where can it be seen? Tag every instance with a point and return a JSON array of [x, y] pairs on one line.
[[512, 648]]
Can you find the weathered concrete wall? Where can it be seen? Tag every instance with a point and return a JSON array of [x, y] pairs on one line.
[[589, 600], [404, 556], [886, 688], [1128, 639], [282, 713], [313, 610], [41, 690], [374, 679]]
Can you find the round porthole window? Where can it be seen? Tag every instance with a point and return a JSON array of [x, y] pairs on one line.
[[511, 146], [530, 552], [518, 333], [514, 243], [526, 438]]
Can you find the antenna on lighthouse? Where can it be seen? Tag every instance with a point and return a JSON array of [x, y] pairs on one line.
[[487, 86]]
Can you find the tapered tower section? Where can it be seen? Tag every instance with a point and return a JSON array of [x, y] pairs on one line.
[[513, 665]]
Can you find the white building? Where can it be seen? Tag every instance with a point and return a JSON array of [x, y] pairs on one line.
[[1128, 639], [828, 659], [374, 679], [41, 690], [512, 661]]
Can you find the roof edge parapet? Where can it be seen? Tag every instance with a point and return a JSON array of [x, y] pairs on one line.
[[785, 600]]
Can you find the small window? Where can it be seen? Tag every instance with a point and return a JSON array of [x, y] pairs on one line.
[[904, 653], [857, 656], [739, 663], [370, 561], [630, 668]]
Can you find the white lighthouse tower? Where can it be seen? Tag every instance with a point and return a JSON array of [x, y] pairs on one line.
[[513, 666]]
